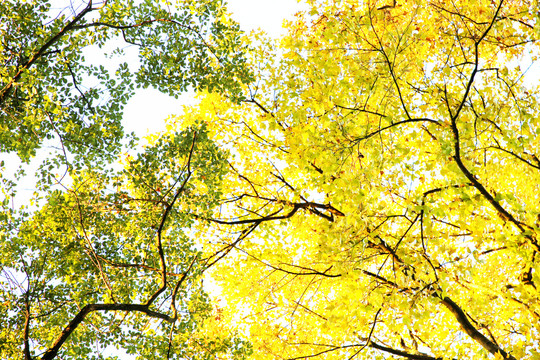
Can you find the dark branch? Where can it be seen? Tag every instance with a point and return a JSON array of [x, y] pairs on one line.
[[363, 110], [403, 353], [368, 341], [517, 156], [457, 150], [376, 132], [27, 355], [212, 260], [371, 344], [79, 318], [309, 206], [42, 51], [162, 225], [476, 335], [177, 287]]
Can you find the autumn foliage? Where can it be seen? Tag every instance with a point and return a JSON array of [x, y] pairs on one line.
[[366, 187], [389, 162]]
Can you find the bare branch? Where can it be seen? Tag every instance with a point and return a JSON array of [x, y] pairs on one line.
[[177, 287], [27, 355], [309, 206], [517, 156]]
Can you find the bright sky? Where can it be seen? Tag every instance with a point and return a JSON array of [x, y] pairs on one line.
[[146, 111], [267, 15]]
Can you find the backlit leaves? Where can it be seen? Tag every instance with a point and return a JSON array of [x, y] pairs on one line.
[[408, 119]]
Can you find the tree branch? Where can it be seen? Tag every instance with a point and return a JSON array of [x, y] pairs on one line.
[[517, 156], [470, 330], [368, 341], [27, 355], [457, 150], [309, 206], [402, 353], [371, 344], [78, 319], [177, 287], [162, 225], [376, 132], [42, 50]]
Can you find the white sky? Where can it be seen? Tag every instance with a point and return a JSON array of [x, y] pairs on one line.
[[267, 15], [146, 111]]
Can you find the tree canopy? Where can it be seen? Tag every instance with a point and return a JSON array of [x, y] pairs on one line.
[[366, 186], [391, 166], [101, 258]]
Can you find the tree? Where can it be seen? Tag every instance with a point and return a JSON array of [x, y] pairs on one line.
[[47, 88], [383, 201], [379, 197], [103, 256]]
